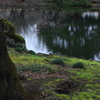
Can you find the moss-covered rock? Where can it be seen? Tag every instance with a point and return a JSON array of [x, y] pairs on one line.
[[10, 31], [18, 38], [9, 28]]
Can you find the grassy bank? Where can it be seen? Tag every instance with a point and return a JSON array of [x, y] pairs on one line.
[[55, 76]]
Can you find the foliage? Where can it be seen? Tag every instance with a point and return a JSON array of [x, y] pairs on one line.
[[82, 3], [31, 52], [19, 45], [18, 49], [9, 27], [58, 61], [36, 68], [24, 49], [78, 65]]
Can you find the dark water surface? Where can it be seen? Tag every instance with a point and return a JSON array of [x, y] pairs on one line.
[[69, 33]]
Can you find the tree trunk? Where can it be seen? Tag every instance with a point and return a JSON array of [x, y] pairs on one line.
[[10, 87]]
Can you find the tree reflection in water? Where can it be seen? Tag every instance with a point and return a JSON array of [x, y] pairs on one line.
[[72, 34]]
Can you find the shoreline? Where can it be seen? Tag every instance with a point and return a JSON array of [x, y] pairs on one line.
[[33, 5]]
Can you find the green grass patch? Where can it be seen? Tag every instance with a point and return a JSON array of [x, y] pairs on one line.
[[87, 80], [37, 68]]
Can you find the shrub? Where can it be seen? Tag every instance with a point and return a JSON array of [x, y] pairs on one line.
[[78, 65], [83, 3], [31, 52], [24, 49], [19, 45], [58, 61], [18, 49]]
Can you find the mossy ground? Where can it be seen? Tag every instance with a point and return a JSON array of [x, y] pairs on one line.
[[85, 83]]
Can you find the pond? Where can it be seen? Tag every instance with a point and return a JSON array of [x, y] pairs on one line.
[[75, 34]]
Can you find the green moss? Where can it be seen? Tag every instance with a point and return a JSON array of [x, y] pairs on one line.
[[18, 38], [29, 79], [88, 88], [7, 23], [10, 31], [9, 28], [62, 96], [14, 80]]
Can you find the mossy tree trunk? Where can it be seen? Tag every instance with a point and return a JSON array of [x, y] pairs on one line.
[[10, 87]]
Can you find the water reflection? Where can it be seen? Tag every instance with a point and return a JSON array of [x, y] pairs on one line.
[[32, 40], [92, 14], [72, 34]]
